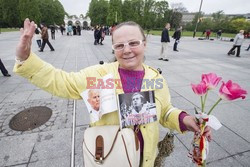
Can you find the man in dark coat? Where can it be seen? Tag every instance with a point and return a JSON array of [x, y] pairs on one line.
[[177, 36], [79, 30], [164, 42]]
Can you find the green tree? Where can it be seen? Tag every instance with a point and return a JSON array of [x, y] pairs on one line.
[[137, 7], [175, 18], [238, 24], [29, 9], [205, 24], [191, 26], [148, 14], [161, 12], [98, 11], [179, 7], [52, 12], [127, 11], [10, 13], [114, 12], [1, 14]]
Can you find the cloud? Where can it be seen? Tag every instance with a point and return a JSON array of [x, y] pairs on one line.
[[75, 7]]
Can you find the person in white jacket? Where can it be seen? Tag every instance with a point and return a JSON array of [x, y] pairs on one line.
[[38, 36], [238, 40]]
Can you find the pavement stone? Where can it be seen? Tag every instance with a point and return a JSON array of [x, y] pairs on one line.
[[50, 144], [55, 162], [16, 149], [226, 162], [47, 146], [243, 158]]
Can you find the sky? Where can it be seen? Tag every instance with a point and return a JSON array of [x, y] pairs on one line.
[[77, 7]]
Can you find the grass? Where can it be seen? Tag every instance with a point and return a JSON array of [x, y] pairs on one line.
[[9, 29], [190, 34]]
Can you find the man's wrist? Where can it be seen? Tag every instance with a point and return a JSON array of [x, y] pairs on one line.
[[19, 61]]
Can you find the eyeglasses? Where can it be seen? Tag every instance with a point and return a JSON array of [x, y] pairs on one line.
[[131, 44]]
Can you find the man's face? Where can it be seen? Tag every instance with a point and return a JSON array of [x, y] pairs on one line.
[[94, 100], [136, 101], [167, 26]]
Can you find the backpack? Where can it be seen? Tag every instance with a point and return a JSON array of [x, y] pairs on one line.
[[37, 31]]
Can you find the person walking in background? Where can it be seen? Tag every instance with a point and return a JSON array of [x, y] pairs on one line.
[[3, 69], [79, 30], [96, 32], [74, 30], [219, 33], [208, 33], [177, 36], [53, 32], [62, 29], [45, 38], [164, 42], [38, 37], [69, 30], [238, 40], [102, 33]]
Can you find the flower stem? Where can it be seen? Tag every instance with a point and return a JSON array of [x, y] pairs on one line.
[[214, 106], [205, 98], [204, 163], [202, 104]]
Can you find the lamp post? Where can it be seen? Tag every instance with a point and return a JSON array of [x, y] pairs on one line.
[[197, 19]]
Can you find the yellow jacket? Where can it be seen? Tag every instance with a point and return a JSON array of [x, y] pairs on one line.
[[70, 85]]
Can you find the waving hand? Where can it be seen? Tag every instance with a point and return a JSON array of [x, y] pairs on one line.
[[24, 46]]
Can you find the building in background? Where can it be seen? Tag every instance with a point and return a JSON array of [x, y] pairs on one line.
[[75, 20]]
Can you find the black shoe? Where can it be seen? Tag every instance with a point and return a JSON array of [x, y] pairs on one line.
[[246, 49], [160, 59], [165, 59], [40, 50], [7, 75], [228, 54], [176, 50], [52, 50]]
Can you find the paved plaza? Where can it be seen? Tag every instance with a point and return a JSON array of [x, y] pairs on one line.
[[50, 145]]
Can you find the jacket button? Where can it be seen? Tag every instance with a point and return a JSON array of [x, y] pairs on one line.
[[144, 126]]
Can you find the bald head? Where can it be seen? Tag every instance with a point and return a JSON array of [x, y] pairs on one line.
[[94, 99]]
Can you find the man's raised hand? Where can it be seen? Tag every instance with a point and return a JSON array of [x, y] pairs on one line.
[[24, 46]]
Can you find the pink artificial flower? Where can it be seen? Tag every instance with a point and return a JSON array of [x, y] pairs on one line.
[[231, 91], [211, 79], [200, 89]]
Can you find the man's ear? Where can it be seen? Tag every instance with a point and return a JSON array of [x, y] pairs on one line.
[[89, 101]]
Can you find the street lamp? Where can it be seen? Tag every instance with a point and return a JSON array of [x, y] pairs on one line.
[[198, 19]]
